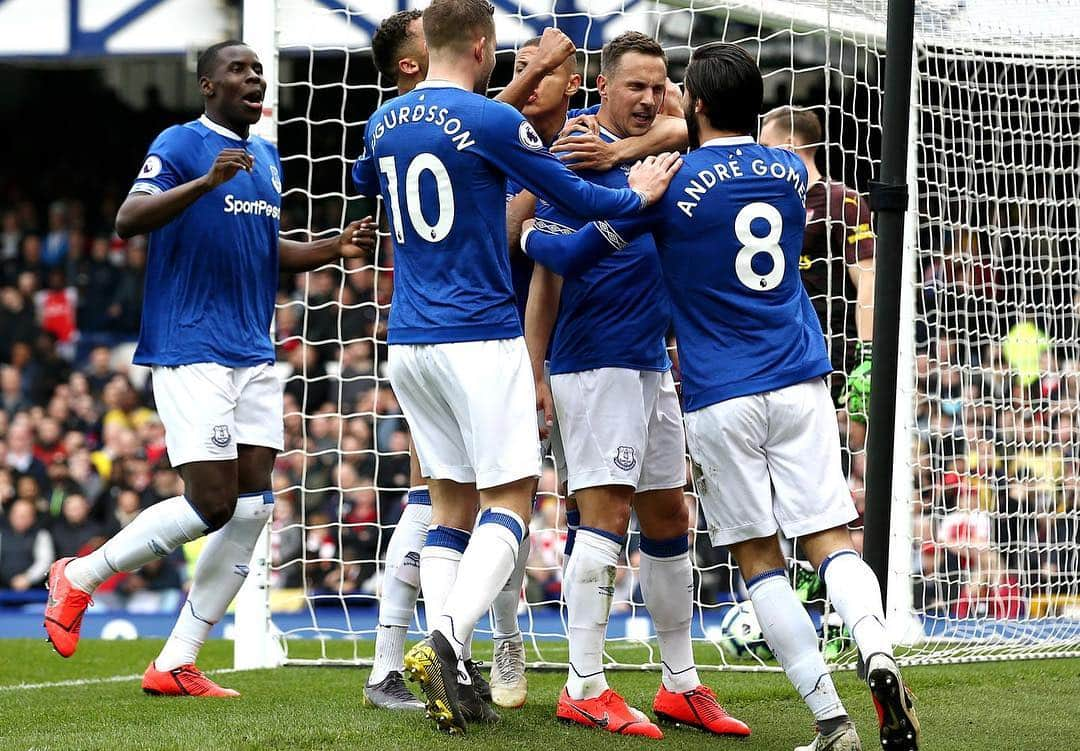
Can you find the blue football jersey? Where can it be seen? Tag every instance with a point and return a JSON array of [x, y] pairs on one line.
[[616, 314], [212, 272], [729, 232], [521, 266], [440, 156]]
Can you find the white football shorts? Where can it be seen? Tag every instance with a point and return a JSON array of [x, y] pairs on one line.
[[471, 407], [769, 461], [620, 427], [208, 409]]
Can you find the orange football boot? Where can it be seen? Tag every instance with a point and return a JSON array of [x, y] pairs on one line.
[[697, 708], [609, 712], [64, 610], [186, 680]]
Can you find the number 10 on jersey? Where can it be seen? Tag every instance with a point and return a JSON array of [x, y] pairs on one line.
[[420, 164]]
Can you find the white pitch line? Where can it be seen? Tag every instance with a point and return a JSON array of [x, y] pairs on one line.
[[93, 681]]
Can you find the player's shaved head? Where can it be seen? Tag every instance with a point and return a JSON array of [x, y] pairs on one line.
[[801, 123], [210, 57], [727, 82], [457, 24], [392, 41]]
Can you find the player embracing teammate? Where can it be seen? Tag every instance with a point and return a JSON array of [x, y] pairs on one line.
[[759, 417], [439, 157]]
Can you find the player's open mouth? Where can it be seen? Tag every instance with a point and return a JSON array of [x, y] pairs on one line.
[[253, 100], [642, 118]]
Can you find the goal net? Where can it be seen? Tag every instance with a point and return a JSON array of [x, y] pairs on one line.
[[984, 552]]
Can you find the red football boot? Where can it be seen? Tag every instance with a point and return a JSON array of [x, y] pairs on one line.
[[697, 708], [64, 609], [609, 712], [186, 680]]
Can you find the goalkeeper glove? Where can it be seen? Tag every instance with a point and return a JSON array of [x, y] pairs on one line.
[[856, 395]]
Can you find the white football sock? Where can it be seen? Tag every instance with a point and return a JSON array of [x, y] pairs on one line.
[[389, 652], [667, 586], [591, 578], [400, 584], [791, 635], [504, 611], [219, 574], [485, 567], [154, 533], [854, 592], [439, 562]]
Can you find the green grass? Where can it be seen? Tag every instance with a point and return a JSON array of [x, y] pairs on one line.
[[1012, 705]]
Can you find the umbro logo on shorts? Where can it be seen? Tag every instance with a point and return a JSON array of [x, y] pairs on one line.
[[219, 436], [411, 559], [625, 458]]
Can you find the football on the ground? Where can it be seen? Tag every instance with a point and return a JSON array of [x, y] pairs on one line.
[[741, 635]]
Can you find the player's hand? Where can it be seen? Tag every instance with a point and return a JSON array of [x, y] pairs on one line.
[[545, 408], [226, 165], [652, 175], [585, 151], [856, 396], [555, 48], [580, 124], [672, 100], [358, 239]]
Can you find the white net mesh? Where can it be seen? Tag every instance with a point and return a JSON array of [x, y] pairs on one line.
[[995, 508], [988, 127]]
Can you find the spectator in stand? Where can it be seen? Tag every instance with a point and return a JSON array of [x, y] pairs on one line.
[[12, 397], [75, 533], [125, 312], [10, 237], [57, 241], [123, 407], [96, 280], [31, 270], [51, 370], [99, 370], [26, 549], [56, 305], [286, 544], [20, 451], [17, 321]]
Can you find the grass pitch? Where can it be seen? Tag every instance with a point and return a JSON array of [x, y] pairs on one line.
[[93, 701]]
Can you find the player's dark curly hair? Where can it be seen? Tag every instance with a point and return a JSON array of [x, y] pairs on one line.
[[388, 41], [209, 56], [629, 41], [727, 81]]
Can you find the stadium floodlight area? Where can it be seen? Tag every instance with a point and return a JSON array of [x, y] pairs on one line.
[[985, 526]]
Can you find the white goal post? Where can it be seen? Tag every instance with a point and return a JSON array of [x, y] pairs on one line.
[[985, 522]]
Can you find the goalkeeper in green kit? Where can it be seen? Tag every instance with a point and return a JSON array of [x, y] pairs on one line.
[[837, 264]]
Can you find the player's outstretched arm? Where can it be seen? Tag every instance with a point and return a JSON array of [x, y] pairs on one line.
[[572, 255], [555, 47], [355, 240], [143, 212], [580, 148]]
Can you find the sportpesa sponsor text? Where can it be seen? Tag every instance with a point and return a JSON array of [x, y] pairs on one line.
[[236, 206]]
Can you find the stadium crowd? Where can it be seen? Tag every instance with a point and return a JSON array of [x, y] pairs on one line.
[[996, 512]]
